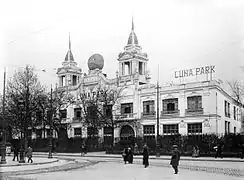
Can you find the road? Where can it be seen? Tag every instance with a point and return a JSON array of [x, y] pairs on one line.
[[105, 168]]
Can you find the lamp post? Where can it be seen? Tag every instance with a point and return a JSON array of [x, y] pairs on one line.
[[3, 148], [51, 126], [22, 159], [157, 137]]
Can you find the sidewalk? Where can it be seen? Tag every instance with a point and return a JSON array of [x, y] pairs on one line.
[[162, 157]]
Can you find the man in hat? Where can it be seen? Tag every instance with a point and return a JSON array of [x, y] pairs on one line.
[[175, 158]]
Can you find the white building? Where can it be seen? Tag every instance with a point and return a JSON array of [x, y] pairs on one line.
[[191, 108]]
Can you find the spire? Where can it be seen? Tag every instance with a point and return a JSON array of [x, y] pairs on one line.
[[132, 37], [132, 28], [69, 55], [69, 43]]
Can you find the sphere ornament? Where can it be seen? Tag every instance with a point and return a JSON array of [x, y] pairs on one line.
[[96, 61]]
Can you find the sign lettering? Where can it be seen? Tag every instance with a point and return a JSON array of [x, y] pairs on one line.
[[195, 71]]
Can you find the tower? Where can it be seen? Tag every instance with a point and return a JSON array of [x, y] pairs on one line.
[[133, 62], [69, 74]]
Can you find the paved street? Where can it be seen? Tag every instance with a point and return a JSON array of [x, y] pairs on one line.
[[110, 167]]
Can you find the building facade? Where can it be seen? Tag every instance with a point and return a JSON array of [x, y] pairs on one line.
[[202, 107]]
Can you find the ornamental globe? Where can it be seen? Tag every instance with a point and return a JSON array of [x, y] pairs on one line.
[[96, 61]]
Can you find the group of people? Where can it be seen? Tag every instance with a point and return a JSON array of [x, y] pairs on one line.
[[28, 153], [175, 158]]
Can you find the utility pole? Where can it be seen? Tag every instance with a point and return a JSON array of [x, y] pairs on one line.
[[3, 155], [51, 125]]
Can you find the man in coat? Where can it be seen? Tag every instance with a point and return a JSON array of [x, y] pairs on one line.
[[175, 158], [145, 154]]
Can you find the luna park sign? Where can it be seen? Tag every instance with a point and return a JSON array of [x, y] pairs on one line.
[[195, 71]]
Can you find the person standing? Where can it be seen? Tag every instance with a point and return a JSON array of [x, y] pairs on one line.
[[16, 153], [130, 155], [145, 154], [175, 158], [29, 154], [125, 155]]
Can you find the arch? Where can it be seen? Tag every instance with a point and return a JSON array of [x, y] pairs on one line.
[[127, 132]]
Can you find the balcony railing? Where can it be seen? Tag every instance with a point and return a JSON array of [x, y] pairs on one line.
[[127, 115], [170, 113], [148, 114], [194, 111]]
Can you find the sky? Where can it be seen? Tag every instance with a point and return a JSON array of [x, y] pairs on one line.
[[176, 35]]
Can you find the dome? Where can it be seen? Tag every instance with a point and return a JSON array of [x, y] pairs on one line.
[[96, 61]]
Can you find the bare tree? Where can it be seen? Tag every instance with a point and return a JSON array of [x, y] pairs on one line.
[[22, 94], [237, 90]]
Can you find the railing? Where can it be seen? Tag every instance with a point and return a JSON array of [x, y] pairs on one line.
[[194, 111], [146, 114], [170, 113]]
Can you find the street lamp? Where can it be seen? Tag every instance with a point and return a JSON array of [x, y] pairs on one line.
[[157, 137], [3, 147], [22, 159], [51, 126]]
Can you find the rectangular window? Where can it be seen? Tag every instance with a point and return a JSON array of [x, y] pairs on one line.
[[108, 111], [140, 67], [63, 113], [77, 113], [234, 113], [234, 130], [194, 103], [77, 131], [170, 129], [195, 128], [107, 131], [74, 80], [127, 108], [149, 130], [62, 80], [148, 107]]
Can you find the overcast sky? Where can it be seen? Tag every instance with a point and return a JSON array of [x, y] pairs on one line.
[[176, 34]]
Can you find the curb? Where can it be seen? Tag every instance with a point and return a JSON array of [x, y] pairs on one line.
[[28, 164], [154, 158]]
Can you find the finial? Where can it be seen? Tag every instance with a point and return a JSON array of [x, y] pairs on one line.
[[69, 42], [132, 24]]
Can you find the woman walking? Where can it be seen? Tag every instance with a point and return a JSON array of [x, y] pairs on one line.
[[145, 154]]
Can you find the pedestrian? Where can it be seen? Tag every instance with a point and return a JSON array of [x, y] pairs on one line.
[[29, 154], [130, 155], [145, 154], [83, 149], [175, 158], [125, 155], [16, 153], [218, 150], [242, 151]]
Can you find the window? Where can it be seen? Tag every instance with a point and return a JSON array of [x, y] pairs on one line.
[[195, 128], [140, 67], [148, 107], [170, 105], [107, 131], [63, 113], [234, 130], [149, 130], [227, 109], [39, 133], [127, 108], [77, 131], [77, 112], [227, 127], [74, 80], [194, 103], [234, 113], [169, 129], [108, 111], [62, 80], [92, 131]]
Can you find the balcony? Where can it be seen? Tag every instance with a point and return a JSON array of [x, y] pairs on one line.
[[150, 114], [194, 111], [76, 119], [167, 113], [125, 116]]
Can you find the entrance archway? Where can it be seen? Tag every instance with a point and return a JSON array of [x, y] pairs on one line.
[[127, 133]]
